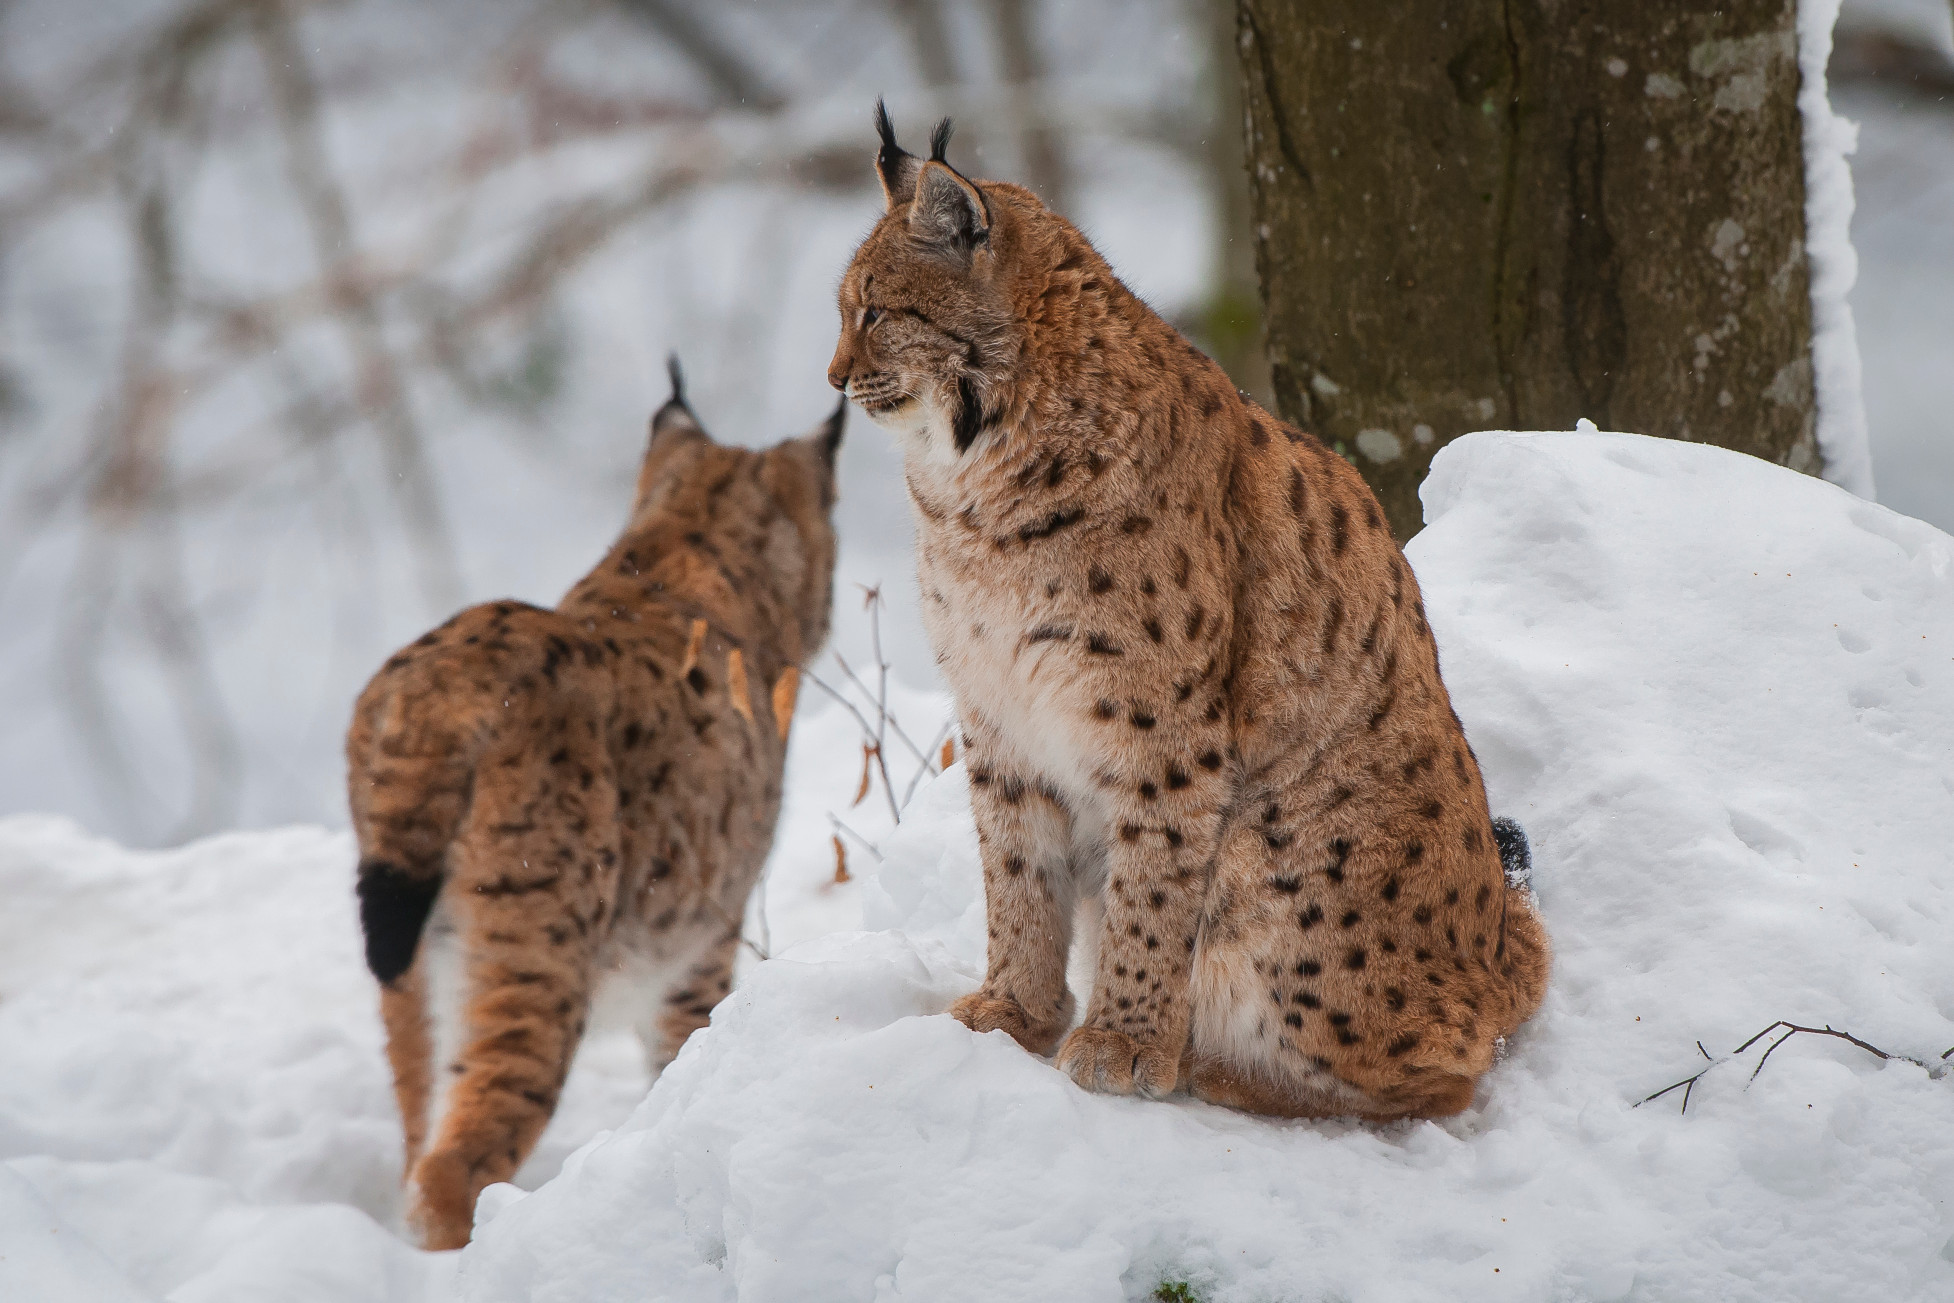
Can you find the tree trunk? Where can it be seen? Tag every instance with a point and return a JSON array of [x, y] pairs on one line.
[[1526, 212], [1230, 322]]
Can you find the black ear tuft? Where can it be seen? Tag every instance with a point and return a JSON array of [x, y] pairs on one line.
[[895, 167], [676, 410], [940, 140]]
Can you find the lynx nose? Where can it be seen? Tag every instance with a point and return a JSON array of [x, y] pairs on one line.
[[839, 368]]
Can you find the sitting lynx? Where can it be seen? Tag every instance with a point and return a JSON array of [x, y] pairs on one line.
[[1196, 682], [547, 799]]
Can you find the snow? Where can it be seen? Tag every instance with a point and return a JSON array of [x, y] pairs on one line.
[[1828, 138], [1719, 695]]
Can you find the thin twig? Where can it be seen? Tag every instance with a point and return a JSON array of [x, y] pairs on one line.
[[1686, 1085], [928, 769], [866, 844], [846, 704], [765, 947], [739, 928], [1791, 1029], [874, 603], [894, 723]]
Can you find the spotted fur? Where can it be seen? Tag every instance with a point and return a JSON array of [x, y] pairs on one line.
[[1196, 681], [550, 803]]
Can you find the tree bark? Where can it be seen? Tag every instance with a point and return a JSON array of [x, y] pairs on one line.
[[1516, 213], [1230, 324]]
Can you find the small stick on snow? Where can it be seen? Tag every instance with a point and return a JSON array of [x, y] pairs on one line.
[[1792, 1029], [1687, 1084]]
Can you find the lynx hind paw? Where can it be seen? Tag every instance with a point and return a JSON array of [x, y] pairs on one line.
[[983, 1012], [1113, 1063]]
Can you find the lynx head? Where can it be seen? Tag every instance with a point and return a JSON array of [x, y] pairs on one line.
[[763, 517], [932, 307]]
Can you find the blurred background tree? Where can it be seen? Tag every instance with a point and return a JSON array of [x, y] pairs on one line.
[[321, 317], [1525, 214]]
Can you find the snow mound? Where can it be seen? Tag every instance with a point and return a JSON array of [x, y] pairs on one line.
[[1719, 695]]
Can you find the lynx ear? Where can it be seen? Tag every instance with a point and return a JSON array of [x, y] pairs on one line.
[[674, 428], [676, 414], [895, 167], [948, 212], [827, 439]]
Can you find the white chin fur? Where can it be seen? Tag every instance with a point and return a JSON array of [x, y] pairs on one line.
[[922, 427]]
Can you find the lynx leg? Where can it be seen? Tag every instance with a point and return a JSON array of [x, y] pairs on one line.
[[410, 1051], [519, 1027], [1164, 828], [510, 985], [1024, 835], [688, 1006]]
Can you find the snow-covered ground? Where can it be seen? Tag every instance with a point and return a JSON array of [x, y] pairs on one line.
[[1719, 695]]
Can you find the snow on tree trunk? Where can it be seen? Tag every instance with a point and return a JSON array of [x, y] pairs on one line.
[[1520, 214]]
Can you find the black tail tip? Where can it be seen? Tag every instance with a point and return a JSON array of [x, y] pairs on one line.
[[394, 906], [1515, 857]]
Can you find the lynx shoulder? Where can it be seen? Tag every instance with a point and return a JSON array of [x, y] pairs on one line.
[[553, 802], [1198, 688]]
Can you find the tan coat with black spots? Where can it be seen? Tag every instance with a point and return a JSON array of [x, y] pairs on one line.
[[1197, 685], [553, 802]]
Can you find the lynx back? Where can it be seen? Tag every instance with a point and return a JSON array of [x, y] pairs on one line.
[[551, 804]]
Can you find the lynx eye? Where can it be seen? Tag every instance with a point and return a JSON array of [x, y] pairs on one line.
[[870, 316]]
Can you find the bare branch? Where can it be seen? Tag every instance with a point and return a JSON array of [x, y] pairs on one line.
[[928, 770], [1044, 162], [929, 40], [862, 841], [1791, 1029], [382, 389], [733, 80]]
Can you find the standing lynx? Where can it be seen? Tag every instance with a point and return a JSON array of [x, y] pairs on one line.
[[549, 802], [1196, 682]]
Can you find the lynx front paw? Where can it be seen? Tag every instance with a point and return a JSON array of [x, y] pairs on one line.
[[1101, 1059], [983, 1012]]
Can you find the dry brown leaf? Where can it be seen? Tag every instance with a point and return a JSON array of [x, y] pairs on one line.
[[841, 861], [868, 758], [736, 684], [692, 647], [785, 689], [949, 756]]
